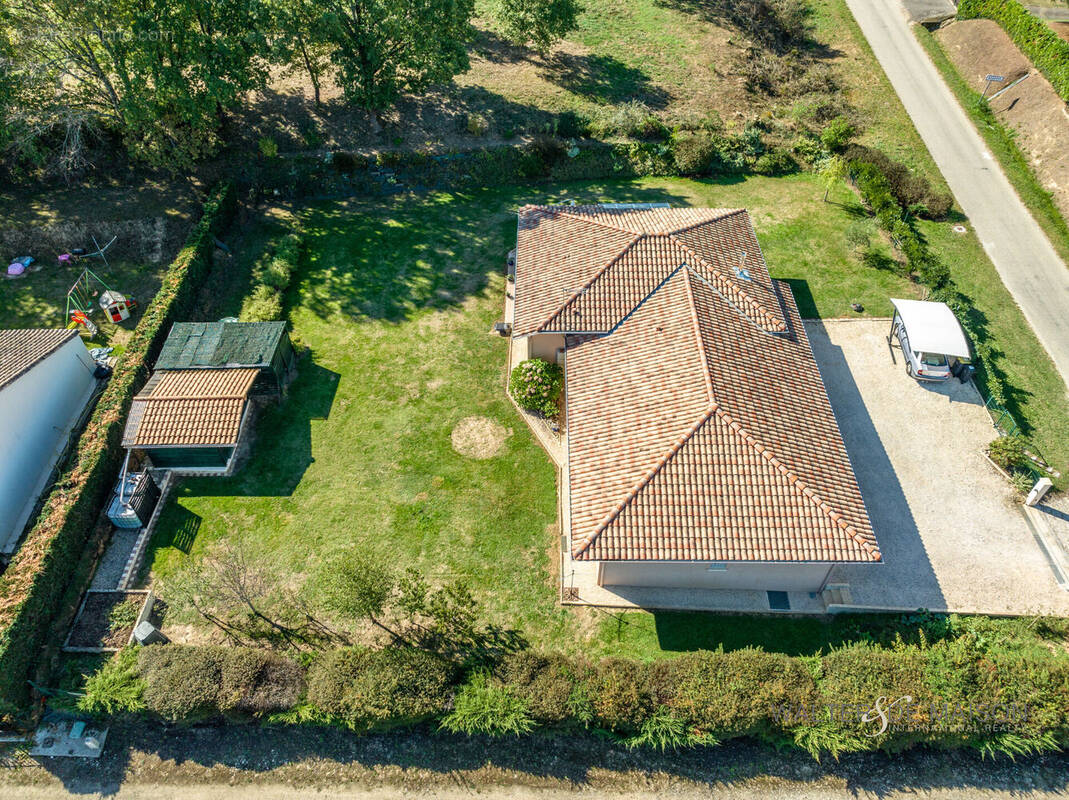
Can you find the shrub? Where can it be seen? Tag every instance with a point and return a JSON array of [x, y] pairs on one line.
[[571, 125], [486, 708], [192, 683], [665, 731], [633, 118], [183, 683], [536, 385], [477, 125], [738, 693], [694, 153], [263, 305], [547, 683], [777, 162], [620, 695], [1008, 452], [837, 134], [548, 150], [268, 147], [115, 688], [908, 190], [257, 682], [368, 689]]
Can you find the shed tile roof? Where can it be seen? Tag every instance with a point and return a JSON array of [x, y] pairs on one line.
[[698, 424], [201, 407], [23, 348], [220, 344]]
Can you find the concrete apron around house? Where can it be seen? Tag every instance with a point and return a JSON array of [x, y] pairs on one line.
[[951, 530]]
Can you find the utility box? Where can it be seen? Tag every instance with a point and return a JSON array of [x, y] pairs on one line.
[[147, 633], [134, 500], [1039, 491]]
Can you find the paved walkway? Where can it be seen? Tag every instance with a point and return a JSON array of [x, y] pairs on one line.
[[1024, 258]]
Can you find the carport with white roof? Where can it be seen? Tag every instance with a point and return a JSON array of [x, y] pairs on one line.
[[931, 327]]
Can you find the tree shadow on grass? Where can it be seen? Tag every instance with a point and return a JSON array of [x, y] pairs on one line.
[[394, 258], [603, 79]]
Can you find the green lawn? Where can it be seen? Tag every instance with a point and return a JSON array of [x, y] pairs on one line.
[[38, 299], [395, 302]]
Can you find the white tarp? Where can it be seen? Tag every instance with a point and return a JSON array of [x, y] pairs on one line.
[[932, 327]]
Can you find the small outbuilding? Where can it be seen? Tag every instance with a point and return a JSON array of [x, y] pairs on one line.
[[933, 343], [191, 421], [47, 380], [265, 346]]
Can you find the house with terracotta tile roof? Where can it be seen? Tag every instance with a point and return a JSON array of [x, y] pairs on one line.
[[700, 447]]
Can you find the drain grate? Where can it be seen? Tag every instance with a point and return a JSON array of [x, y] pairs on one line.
[[778, 601]]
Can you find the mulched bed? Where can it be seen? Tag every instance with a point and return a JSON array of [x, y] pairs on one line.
[[107, 620]]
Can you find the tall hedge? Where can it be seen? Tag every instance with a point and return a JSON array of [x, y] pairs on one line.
[[38, 576], [953, 693], [1044, 48]]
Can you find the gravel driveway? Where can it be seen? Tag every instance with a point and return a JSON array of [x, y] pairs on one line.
[[951, 531]]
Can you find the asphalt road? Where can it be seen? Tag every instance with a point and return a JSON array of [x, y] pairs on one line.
[[1022, 254]]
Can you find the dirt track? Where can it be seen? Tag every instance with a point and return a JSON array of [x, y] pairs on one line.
[[236, 763], [979, 47]]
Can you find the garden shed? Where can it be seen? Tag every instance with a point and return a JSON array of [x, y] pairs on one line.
[[46, 384], [192, 420], [221, 345]]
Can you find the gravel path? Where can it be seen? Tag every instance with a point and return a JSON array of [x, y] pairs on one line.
[[235, 763]]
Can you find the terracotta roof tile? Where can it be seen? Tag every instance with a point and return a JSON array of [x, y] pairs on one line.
[[698, 423], [200, 407], [585, 268], [21, 349]]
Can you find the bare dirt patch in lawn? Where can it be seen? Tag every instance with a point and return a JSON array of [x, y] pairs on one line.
[[479, 437], [1040, 118]]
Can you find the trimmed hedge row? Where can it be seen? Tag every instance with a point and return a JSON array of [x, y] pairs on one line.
[[876, 192], [1044, 48], [950, 694], [272, 277], [37, 578]]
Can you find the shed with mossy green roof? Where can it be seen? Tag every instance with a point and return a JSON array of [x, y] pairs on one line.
[[215, 345]]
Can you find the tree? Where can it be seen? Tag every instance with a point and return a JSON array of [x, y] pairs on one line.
[[383, 48], [359, 587], [161, 73], [831, 172], [542, 23], [244, 598], [302, 42]]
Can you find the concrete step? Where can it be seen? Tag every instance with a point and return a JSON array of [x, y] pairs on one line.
[[836, 594]]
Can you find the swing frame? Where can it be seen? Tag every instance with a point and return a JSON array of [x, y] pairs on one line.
[[84, 301]]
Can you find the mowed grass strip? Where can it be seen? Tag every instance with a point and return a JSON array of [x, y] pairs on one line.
[[395, 301]]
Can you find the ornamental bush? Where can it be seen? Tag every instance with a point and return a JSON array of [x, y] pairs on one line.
[[194, 683], [372, 689], [1008, 452], [536, 385]]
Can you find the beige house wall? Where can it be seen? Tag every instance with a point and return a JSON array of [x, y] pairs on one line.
[[540, 345], [697, 575]]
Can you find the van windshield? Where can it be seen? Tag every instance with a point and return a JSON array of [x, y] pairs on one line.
[[933, 359]]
